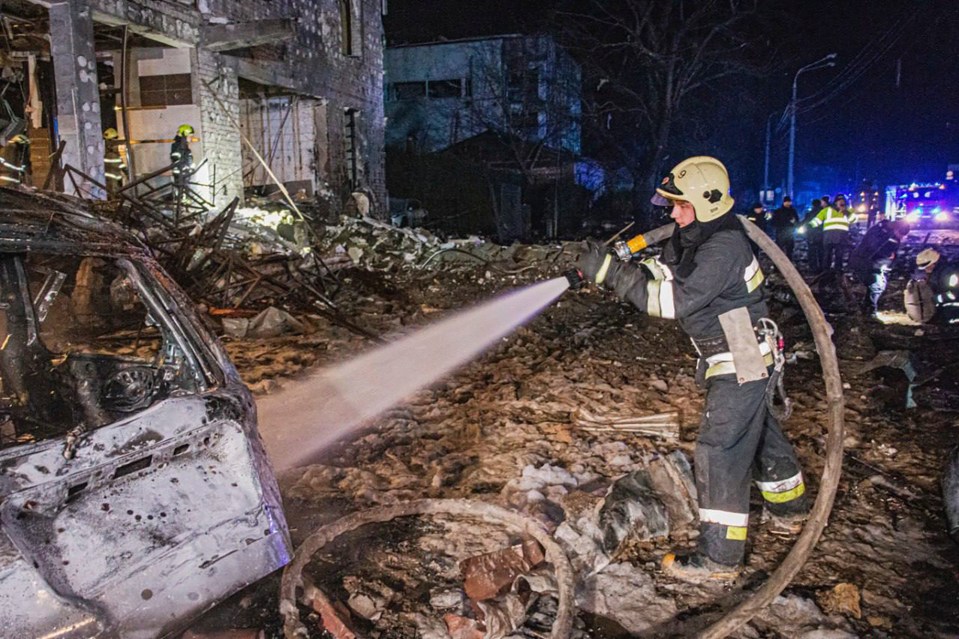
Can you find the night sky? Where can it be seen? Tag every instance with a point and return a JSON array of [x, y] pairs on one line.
[[890, 107]]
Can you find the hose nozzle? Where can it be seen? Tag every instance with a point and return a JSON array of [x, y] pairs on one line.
[[575, 278]]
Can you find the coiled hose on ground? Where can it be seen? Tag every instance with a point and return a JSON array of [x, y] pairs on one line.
[[732, 620]]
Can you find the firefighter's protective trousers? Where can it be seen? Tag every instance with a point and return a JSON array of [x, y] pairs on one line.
[[737, 427]]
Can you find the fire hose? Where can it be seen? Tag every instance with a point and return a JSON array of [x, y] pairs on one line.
[[748, 607], [829, 482], [832, 469]]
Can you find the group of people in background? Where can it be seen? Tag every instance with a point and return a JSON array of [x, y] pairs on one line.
[[933, 290]]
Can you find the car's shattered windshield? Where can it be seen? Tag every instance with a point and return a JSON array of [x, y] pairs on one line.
[[80, 347]]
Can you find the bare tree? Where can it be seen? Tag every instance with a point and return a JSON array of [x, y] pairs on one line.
[[645, 58]]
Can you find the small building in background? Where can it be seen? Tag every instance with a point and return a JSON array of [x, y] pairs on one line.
[[505, 109]]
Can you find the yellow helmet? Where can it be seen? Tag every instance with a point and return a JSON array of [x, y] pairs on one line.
[[184, 130], [927, 257], [703, 182], [110, 134]]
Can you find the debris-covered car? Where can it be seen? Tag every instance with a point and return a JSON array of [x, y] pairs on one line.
[[134, 489]]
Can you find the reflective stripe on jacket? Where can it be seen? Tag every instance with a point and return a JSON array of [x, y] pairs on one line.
[[726, 276]]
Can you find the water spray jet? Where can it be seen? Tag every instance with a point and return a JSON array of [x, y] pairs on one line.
[[312, 414]]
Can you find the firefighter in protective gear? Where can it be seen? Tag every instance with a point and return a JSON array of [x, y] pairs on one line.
[[784, 221], [835, 221], [181, 157], [871, 261], [13, 159], [114, 167], [942, 278], [710, 281]]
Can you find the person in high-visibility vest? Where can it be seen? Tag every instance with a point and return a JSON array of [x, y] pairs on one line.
[[181, 157], [114, 167], [835, 236]]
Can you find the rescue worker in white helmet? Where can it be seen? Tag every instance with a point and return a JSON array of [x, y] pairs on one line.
[[181, 157], [709, 279], [942, 277], [114, 167], [13, 159]]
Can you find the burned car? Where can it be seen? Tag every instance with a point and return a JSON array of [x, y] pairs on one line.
[[134, 488]]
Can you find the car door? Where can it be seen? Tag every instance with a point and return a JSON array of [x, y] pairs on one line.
[[135, 490]]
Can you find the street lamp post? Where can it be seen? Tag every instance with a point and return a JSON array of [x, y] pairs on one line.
[[825, 61], [762, 196]]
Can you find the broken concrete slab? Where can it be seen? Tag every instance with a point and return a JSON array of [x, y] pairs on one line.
[[367, 598], [271, 322]]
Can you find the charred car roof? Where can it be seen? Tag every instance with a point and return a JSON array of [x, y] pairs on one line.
[[59, 223]]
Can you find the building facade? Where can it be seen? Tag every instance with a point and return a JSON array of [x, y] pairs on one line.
[[504, 115], [522, 87], [292, 84]]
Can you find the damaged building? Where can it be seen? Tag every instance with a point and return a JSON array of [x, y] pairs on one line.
[[287, 92], [487, 134]]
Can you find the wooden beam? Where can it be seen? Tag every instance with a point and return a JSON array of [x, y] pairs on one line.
[[265, 72]]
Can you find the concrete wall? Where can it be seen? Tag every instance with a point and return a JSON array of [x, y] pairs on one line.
[[217, 86], [319, 68], [313, 64], [428, 123]]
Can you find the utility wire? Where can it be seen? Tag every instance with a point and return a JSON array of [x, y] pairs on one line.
[[867, 57]]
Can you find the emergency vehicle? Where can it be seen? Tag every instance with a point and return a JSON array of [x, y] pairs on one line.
[[924, 205]]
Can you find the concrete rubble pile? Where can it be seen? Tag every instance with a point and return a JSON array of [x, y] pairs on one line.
[[584, 421], [242, 261], [513, 430]]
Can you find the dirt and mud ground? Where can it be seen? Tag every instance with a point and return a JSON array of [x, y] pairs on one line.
[[508, 426]]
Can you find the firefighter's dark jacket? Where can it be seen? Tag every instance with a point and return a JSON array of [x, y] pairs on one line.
[[877, 249], [721, 275]]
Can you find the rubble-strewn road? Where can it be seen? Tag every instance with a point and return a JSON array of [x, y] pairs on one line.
[[509, 430]]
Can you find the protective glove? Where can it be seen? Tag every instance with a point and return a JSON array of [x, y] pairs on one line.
[[600, 267], [595, 263], [656, 269]]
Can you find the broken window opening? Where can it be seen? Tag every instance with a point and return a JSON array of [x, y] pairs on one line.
[[166, 90], [84, 342], [349, 28], [446, 88], [408, 90], [523, 87]]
